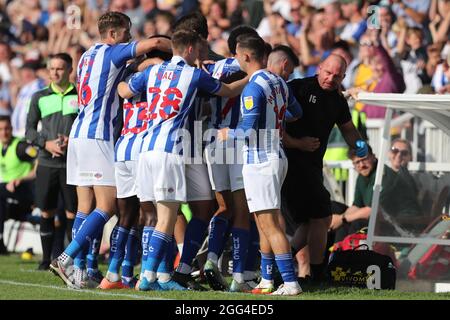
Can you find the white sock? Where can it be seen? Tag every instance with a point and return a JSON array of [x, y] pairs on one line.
[[150, 275], [65, 260], [163, 276], [112, 276], [213, 257], [180, 248], [238, 277]]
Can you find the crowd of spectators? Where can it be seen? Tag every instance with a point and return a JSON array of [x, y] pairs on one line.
[[390, 45]]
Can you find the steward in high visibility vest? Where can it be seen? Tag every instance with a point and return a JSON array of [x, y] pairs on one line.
[[16, 172]]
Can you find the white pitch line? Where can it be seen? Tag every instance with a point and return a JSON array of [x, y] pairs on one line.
[[100, 293]]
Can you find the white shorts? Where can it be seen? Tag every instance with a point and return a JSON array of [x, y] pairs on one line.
[[197, 181], [161, 177], [90, 162], [225, 177], [263, 183], [224, 173], [126, 178]]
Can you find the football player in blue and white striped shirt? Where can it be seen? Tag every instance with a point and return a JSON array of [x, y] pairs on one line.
[[90, 159], [227, 182], [264, 102], [127, 149], [171, 87]]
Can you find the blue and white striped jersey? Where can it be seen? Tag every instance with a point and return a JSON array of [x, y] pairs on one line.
[[194, 126], [264, 102], [135, 124], [171, 89], [99, 72], [224, 111]]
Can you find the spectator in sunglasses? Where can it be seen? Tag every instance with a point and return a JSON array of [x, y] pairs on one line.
[[399, 196]]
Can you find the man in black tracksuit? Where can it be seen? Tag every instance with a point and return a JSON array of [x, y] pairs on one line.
[[56, 106], [303, 193]]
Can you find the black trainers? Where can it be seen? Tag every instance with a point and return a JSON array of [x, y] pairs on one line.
[[187, 281], [44, 266], [215, 279], [304, 281]]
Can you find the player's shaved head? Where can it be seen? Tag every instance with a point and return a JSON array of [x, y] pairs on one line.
[[281, 53], [331, 72], [282, 61]]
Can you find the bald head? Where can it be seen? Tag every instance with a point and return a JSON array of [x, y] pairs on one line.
[[336, 60], [331, 72]]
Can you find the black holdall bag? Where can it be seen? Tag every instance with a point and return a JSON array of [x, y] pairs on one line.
[[361, 268]]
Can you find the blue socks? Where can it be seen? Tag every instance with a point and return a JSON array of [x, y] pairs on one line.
[[147, 233], [131, 253], [94, 249], [156, 250], [253, 250], [117, 250], [166, 265], [286, 267], [80, 258], [218, 228], [113, 241], [240, 245], [193, 239], [91, 227], [267, 261]]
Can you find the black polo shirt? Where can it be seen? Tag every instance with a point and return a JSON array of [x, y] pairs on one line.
[[321, 111]]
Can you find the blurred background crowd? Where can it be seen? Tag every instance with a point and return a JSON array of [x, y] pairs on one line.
[[390, 45]]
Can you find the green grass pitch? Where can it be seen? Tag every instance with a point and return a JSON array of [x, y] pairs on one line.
[[19, 280]]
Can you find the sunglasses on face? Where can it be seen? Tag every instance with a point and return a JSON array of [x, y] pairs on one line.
[[403, 153]]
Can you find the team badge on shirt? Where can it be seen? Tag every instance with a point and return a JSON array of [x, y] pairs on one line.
[[31, 151], [248, 102]]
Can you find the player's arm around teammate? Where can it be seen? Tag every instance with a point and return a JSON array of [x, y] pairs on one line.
[[266, 97]]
